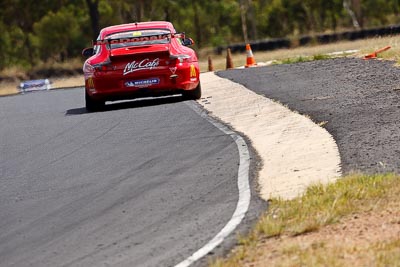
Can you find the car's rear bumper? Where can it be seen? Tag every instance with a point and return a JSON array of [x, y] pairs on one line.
[[111, 86], [145, 92]]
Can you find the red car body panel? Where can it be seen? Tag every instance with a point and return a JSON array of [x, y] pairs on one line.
[[117, 72]]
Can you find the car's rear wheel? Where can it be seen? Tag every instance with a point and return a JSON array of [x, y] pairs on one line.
[[92, 104], [193, 94]]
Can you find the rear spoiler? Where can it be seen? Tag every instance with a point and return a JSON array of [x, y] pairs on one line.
[[109, 42]]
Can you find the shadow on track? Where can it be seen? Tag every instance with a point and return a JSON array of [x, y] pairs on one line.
[[138, 103]]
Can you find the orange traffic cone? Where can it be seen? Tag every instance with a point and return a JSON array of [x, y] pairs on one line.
[[210, 64], [250, 61], [375, 54], [229, 62]]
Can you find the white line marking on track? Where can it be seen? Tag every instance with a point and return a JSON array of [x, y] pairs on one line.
[[243, 186]]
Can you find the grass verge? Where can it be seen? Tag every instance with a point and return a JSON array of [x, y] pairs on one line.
[[313, 229], [311, 52]]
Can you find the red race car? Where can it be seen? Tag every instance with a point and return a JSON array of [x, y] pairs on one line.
[[140, 60]]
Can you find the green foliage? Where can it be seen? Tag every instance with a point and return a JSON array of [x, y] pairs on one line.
[[56, 35], [12, 44], [107, 14], [295, 60], [54, 30], [321, 57]]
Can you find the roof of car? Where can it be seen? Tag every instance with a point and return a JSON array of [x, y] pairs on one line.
[[137, 25]]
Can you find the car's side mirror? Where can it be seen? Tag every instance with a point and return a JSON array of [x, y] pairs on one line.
[[188, 42], [88, 52]]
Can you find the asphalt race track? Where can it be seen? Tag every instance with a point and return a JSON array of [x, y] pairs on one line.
[[357, 101], [144, 183], [148, 183]]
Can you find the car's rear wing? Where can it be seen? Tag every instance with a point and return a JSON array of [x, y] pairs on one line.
[[156, 37]]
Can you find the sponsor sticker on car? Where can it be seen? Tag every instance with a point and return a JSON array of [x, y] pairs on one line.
[[142, 83], [145, 64], [137, 37], [193, 73]]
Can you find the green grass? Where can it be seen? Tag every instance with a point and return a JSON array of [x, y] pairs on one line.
[[322, 205], [303, 59], [318, 207]]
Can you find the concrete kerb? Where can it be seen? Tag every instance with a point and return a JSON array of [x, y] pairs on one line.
[[295, 151]]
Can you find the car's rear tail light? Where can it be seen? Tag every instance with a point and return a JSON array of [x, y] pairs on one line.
[[87, 68], [181, 58], [104, 66]]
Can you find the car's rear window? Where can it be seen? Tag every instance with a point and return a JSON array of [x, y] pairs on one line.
[[155, 36]]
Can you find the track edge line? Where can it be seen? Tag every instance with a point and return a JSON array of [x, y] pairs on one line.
[[243, 184]]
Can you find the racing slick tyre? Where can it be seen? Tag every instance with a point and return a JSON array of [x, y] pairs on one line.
[[93, 105], [193, 94]]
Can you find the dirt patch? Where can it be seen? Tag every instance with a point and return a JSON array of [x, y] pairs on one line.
[[11, 88], [74, 81], [7, 88], [349, 242]]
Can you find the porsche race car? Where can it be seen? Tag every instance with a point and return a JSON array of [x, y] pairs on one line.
[[143, 59]]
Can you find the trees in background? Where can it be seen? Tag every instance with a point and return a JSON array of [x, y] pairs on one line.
[[53, 30], [93, 7]]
